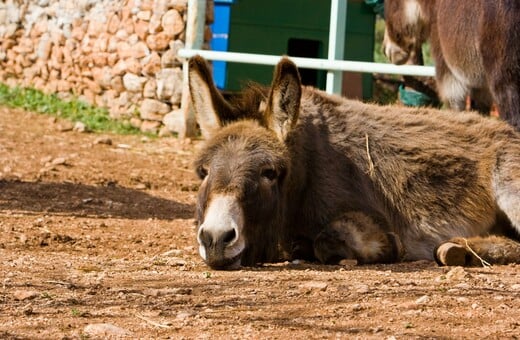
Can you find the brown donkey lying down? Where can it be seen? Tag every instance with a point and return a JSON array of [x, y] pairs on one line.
[[292, 172]]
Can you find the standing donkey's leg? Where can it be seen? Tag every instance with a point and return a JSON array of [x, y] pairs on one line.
[[501, 57], [481, 100], [507, 96], [356, 236]]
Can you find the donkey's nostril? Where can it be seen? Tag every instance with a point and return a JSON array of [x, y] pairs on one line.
[[205, 238], [229, 236]]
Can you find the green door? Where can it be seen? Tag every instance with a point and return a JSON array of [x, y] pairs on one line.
[[294, 28]]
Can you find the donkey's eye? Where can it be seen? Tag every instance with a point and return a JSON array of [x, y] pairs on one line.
[[202, 172], [270, 174]]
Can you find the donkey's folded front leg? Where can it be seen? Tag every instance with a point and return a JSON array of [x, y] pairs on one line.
[[357, 236], [302, 249]]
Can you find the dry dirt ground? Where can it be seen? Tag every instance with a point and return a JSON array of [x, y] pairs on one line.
[[97, 241]]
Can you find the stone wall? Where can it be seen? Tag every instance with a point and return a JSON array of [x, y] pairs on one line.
[[119, 54]]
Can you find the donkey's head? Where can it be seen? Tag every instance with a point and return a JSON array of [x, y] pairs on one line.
[[243, 166], [405, 32]]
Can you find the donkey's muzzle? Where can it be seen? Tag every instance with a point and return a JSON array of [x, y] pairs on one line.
[[220, 248], [393, 51], [220, 236]]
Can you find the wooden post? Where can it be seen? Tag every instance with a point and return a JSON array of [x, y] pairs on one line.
[[194, 39]]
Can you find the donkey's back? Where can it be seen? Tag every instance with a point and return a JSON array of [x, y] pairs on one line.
[[425, 176]]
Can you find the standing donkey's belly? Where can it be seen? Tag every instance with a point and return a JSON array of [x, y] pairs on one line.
[[460, 44]]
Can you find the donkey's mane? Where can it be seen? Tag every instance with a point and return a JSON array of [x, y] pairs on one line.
[[247, 102]]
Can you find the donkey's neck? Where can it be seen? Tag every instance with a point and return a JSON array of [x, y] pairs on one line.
[[322, 179]]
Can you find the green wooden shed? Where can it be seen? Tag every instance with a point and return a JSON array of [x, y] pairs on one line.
[[298, 28]]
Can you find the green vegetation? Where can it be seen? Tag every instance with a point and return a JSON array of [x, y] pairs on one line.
[[96, 119], [78, 313], [46, 295], [379, 56]]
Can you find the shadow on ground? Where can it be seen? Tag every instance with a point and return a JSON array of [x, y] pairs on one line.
[[87, 200]]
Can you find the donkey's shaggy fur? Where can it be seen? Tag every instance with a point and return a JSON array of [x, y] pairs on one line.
[[308, 175]]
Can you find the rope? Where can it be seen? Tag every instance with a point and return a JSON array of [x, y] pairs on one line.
[[482, 261]]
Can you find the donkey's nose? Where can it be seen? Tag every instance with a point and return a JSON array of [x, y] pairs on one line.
[[219, 238]]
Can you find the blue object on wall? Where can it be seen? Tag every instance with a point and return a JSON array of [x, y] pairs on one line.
[[219, 38]]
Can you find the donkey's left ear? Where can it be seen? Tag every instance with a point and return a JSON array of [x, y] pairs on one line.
[[283, 105]]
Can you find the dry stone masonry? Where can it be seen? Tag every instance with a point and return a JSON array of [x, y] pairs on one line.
[[119, 54]]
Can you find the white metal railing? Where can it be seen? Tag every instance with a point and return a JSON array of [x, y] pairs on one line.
[[314, 63], [333, 66]]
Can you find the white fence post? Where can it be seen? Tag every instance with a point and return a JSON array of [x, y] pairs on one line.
[[338, 20], [194, 39]]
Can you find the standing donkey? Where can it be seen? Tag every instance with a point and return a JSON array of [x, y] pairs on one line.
[[293, 172], [475, 45]]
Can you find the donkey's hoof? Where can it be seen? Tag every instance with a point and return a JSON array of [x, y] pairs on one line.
[[451, 254]]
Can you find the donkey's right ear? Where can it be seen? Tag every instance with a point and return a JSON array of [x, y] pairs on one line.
[[283, 107], [210, 107]]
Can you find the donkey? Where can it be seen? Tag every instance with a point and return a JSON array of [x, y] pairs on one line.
[[291, 172], [474, 45]]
